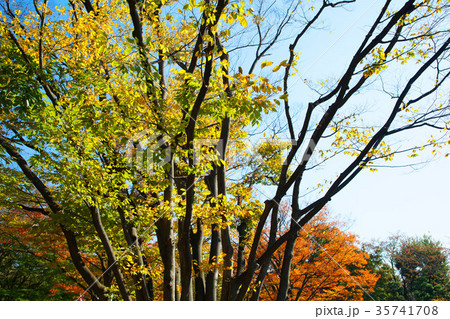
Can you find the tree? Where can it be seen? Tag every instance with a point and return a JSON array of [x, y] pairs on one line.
[[117, 121], [424, 269], [388, 286], [34, 260], [326, 265], [412, 269]]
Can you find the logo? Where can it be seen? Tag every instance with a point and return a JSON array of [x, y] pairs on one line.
[[147, 151]]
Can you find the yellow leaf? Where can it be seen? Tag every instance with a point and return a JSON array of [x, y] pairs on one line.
[[266, 63]]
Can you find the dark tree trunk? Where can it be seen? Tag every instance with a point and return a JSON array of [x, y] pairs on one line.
[[108, 276], [84, 271], [142, 280], [166, 241], [265, 267], [286, 268], [260, 281], [185, 260], [212, 276], [177, 282], [213, 273], [196, 243], [227, 247], [96, 219], [166, 244], [242, 231]]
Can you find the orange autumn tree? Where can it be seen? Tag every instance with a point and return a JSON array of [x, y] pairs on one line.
[[327, 265]]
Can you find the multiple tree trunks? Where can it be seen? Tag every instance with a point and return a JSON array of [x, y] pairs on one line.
[[190, 231]]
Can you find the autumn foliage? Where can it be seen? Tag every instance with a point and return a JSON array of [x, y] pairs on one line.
[[327, 265], [35, 261]]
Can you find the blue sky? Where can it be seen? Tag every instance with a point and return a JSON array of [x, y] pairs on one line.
[[412, 202]]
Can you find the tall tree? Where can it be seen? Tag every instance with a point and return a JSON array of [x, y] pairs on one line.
[[424, 268], [118, 120], [388, 286], [411, 268]]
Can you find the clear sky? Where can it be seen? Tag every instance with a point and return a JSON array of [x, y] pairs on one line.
[[398, 200]]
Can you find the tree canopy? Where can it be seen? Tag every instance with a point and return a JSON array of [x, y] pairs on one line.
[[129, 125], [410, 268]]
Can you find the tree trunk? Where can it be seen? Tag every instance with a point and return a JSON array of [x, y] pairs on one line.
[[177, 282], [185, 259], [227, 246], [130, 233], [108, 276], [142, 281], [243, 282], [84, 271], [227, 272], [213, 275], [96, 219], [166, 244], [260, 281], [197, 243], [286, 268], [166, 241], [265, 267], [242, 231]]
